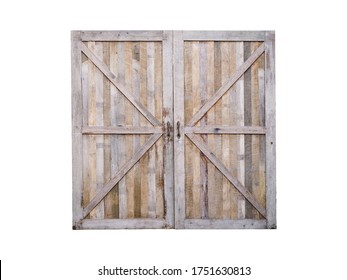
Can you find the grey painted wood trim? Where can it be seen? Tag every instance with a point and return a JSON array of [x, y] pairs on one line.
[[123, 224], [76, 108], [270, 123], [224, 224], [223, 35], [179, 141], [123, 35]]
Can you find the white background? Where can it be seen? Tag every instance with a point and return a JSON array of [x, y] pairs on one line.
[[36, 240]]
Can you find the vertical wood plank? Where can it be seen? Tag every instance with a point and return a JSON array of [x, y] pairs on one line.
[[233, 139], [120, 116], [136, 122], [188, 113], [99, 121], [270, 121], [227, 119], [109, 201], [151, 109], [218, 190], [168, 118], [158, 100], [239, 101], [179, 141], [143, 122], [212, 203], [203, 161], [77, 113], [129, 111], [196, 102], [255, 121], [92, 139], [248, 122], [262, 147], [85, 139], [112, 199]]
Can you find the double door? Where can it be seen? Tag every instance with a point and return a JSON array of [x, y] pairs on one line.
[[173, 129]]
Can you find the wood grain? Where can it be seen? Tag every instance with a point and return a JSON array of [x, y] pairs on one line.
[[77, 113], [120, 174], [240, 71], [105, 70], [122, 36], [144, 159], [151, 153], [158, 101], [129, 139], [168, 151], [179, 166], [211, 185], [120, 117], [195, 155], [225, 129], [221, 167], [270, 121], [224, 224], [135, 167], [224, 36], [203, 161]]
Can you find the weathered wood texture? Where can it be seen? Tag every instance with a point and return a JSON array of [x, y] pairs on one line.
[[179, 158], [122, 88], [225, 115], [270, 121], [173, 129]]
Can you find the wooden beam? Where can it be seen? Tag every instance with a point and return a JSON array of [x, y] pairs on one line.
[[120, 174], [123, 224], [213, 129], [168, 149], [131, 35], [224, 224], [224, 36], [77, 113], [97, 130], [179, 179], [221, 167], [270, 122], [113, 79], [239, 72]]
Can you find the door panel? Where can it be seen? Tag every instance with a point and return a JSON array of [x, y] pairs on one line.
[[126, 163], [221, 98]]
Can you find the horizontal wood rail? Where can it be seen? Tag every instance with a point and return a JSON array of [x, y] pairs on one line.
[[215, 129], [95, 130]]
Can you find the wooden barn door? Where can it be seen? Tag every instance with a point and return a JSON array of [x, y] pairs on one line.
[[224, 130], [173, 129], [122, 114]]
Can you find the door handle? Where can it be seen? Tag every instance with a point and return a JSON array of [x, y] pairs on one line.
[[168, 129], [178, 130]]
